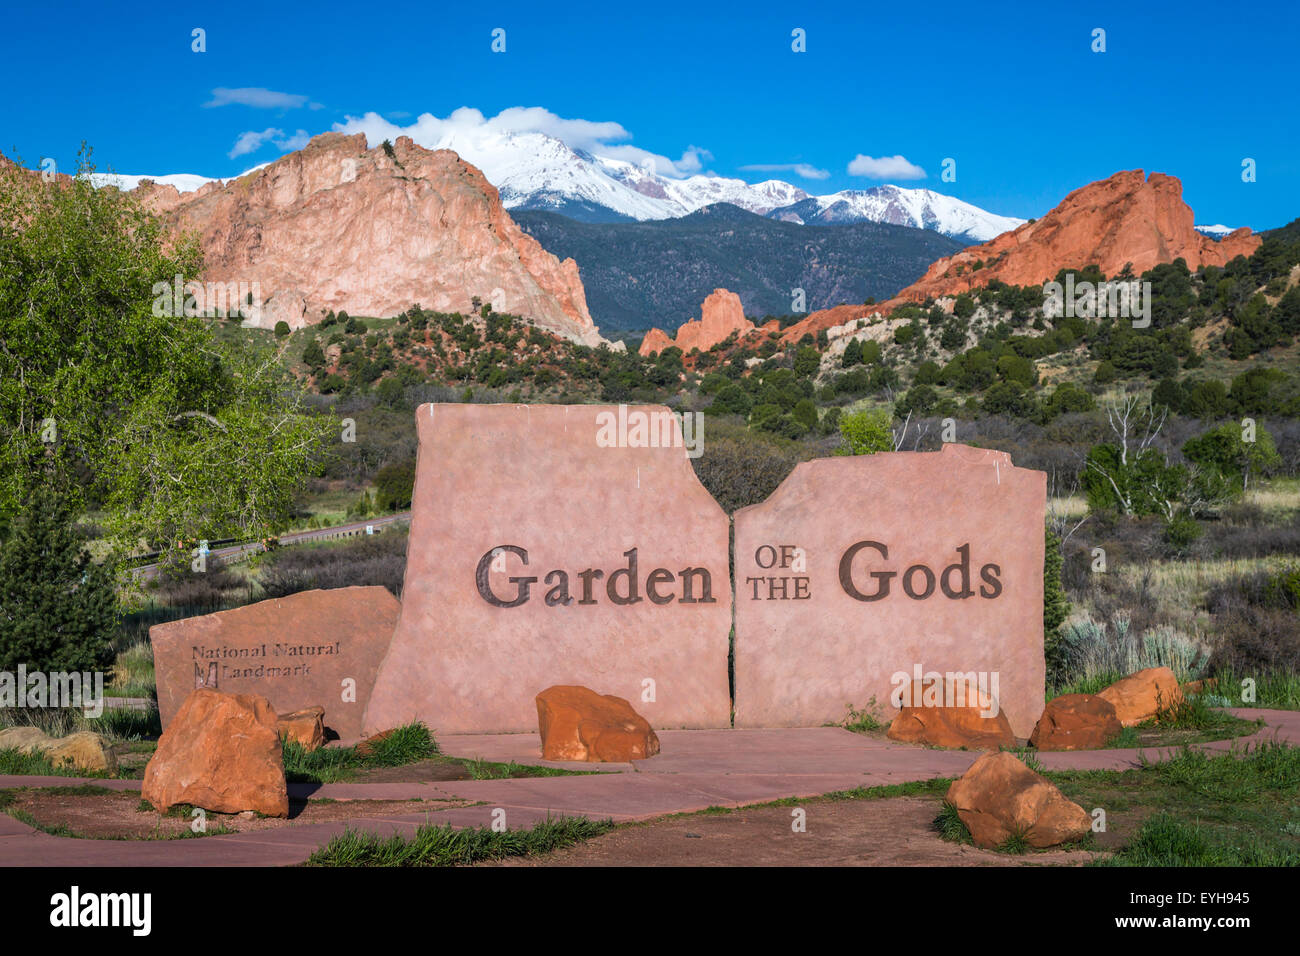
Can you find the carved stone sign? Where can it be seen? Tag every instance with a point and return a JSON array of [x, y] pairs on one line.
[[861, 575], [557, 544], [311, 648]]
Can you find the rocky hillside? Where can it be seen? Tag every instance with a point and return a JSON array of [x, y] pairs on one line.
[[338, 226], [1127, 220]]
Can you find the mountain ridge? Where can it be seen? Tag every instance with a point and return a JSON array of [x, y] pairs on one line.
[[656, 273]]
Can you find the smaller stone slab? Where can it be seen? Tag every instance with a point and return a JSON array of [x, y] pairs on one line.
[[314, 648]]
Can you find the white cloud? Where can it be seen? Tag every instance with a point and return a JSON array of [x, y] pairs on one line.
[[253, 140], [886, 167], [259, 98], [803, 170], [469, 132]]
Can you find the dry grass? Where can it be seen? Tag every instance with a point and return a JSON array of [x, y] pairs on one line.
[[1279, 495], [1073, 506]]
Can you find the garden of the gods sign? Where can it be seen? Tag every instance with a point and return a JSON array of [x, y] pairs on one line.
[[574, 544], [859, 569]]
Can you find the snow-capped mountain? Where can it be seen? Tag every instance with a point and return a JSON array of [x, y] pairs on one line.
[[1215, 231], [681, 197], [533, 170], [920, 208]]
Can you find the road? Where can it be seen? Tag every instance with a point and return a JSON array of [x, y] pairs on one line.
[[350, 530]]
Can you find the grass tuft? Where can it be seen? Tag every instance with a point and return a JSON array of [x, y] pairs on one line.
[[445, 846], [949, 825]]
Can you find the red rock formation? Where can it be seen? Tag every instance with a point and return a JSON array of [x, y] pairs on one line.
[[1127, 219], [339, 226], [655, 341], [720, 316]]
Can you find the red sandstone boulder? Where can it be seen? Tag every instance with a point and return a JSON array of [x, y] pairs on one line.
[[576, 723], [1207, 685], [1076, 722], [999, 796], [951, 714], [220, 752], [305, 727], [1139, 697]]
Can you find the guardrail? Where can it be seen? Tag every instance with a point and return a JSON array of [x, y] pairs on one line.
[[251, 546]]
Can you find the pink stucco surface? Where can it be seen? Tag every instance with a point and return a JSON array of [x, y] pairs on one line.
[[802, 661], [537, 478]]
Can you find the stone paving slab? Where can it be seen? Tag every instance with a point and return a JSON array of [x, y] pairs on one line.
[[702, 769]]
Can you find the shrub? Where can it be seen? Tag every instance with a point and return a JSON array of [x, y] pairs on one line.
[[1183, 531], [394, 484], [1092, 649], [1056, 606], [866, 432], [313, 356], [742, 470]]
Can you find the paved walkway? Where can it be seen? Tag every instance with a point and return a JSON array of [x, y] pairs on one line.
[[696, 770]]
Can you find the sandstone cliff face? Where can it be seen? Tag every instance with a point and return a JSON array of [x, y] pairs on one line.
[[1125, 219], [339, 226], [720, 315], [1128, 218]]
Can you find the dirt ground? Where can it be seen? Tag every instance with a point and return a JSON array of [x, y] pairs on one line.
[[118, 815], [889, 832]]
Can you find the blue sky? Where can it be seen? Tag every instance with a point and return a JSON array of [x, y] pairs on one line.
[[1012, 92]]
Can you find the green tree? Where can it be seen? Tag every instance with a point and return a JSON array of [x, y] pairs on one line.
[[806, 361], [731, 400], [119, 395], [58, 609], [852, 354], [805, 412], [313, 356], [394, 484], [866, 432], [1227, 450]]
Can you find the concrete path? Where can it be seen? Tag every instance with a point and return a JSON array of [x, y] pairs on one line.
[[696, 770]]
